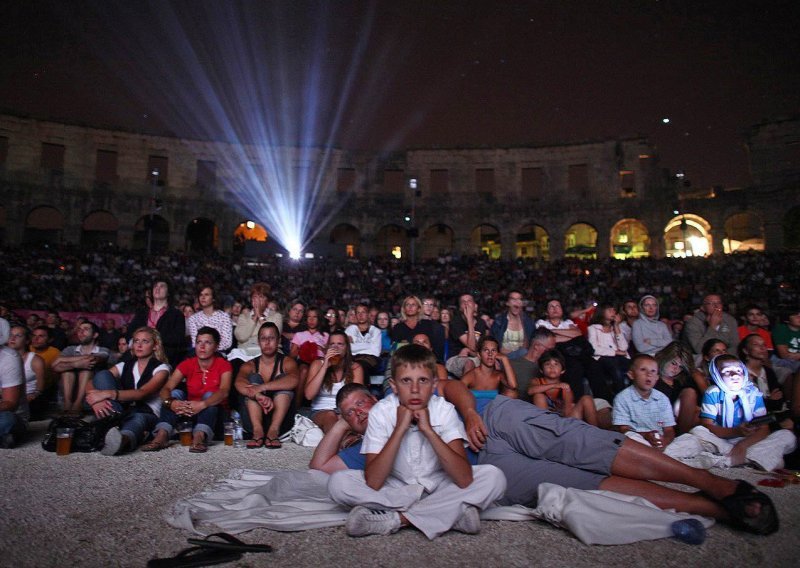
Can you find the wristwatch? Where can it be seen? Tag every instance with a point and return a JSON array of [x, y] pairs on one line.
[[168, 402]]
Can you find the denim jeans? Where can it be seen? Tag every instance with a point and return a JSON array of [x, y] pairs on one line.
[[136, 425], [12, 424], [203, 422]]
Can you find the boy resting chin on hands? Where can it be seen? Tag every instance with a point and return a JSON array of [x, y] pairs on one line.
[[417, 473]]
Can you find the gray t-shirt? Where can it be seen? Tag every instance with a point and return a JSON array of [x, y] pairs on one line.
[[525, 371]]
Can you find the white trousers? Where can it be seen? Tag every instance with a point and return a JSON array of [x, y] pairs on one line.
[[766, 454], [432, 513]]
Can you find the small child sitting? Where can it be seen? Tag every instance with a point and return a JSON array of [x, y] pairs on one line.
[[551, 393], [485, 381], [729, 407], [640, 411], [417, 473]]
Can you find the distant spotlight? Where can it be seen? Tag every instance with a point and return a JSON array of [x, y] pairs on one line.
[[155, 172], [407, 218], [675, 212], [412, 183], [250, 225], [680, 174], [308, 255], [295, 254], [665, 120]]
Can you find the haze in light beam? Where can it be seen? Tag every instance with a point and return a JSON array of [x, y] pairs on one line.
[[278, 91]]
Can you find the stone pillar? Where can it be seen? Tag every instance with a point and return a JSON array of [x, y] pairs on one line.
[[603, 243]]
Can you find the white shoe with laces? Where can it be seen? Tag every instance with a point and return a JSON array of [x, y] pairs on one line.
[[362, 522], [469, 522]]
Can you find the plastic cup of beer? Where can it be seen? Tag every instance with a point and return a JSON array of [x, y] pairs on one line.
[[185, 433], [64, 441], [335, 359], [229, 429]]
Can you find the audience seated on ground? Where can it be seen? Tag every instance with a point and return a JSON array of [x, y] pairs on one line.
[[486, 381], [208, 383], [77, 364], [329, 374], [132, 390], [640, 411], [526, 368], [267, 384], [13, 402], [676, 380], [210, 315], [650, 334], [550, 392]]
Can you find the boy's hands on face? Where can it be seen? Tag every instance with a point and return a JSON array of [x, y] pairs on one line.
[[423, 420], [404, 418]]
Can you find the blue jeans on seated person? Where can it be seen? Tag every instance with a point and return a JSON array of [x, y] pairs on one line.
[[203, 422], [12, 424], [135, 425]]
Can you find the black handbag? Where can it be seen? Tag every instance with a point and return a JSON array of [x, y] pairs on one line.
[[87, 437]]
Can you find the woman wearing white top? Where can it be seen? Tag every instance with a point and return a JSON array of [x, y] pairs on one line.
[[131, 388], [327, 376], [19, 339], [610, 347]]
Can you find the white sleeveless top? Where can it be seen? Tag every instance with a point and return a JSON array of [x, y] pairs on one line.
[[30, 375], [326, 400]]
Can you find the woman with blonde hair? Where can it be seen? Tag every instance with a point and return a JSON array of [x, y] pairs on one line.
[[131, 388], [411, 323]]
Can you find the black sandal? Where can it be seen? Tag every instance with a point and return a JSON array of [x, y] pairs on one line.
[[225, 541], [766, 522], [195, 556]]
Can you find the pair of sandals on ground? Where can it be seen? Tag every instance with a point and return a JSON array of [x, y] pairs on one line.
[[264, 442]]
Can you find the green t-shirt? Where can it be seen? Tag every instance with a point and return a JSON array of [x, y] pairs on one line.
[[785, 335]]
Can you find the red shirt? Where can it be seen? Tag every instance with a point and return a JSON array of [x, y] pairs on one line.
[[199, 382], [765, 335]]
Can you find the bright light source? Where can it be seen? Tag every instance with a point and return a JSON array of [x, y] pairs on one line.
[[675, 211], [308, 255], [412, 183], [407, 218], [665, 120], [295, 255], [155, 172], [679, 245], [250, 225]]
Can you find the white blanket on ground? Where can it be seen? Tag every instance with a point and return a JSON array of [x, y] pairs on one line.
[[298, 500]]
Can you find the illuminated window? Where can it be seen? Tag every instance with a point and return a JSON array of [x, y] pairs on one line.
[[397, 252], [350, 250]]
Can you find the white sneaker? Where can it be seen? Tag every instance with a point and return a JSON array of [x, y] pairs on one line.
[[362, 522], [113, 442], [469, 522]]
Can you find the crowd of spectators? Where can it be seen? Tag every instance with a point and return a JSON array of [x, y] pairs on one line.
[[115, 281]]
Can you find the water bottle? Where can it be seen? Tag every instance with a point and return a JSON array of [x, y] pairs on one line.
[[658, 435], [238, 431]]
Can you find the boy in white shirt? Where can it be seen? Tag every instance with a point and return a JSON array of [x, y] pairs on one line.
[[417, 473]]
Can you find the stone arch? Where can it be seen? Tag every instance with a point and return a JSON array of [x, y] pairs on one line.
[[159, 238], [485, 239], [392, 240], [202, 234], [437, 240], [580, 241], [99, 227], [533, 241], [743, 231], [791, 229], [688, 235], [44, 224], [345, 240], [250, 238], [629, 239]]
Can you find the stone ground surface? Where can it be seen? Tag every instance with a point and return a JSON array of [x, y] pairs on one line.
[[93, 510]]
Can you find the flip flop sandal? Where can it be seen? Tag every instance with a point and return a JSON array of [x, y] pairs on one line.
[[195, 556], [273, 444], [766, 522], [154, 447], [225, 541], [256, 443], [200, 448]]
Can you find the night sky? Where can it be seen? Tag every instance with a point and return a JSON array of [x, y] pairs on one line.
[[422, 74]]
